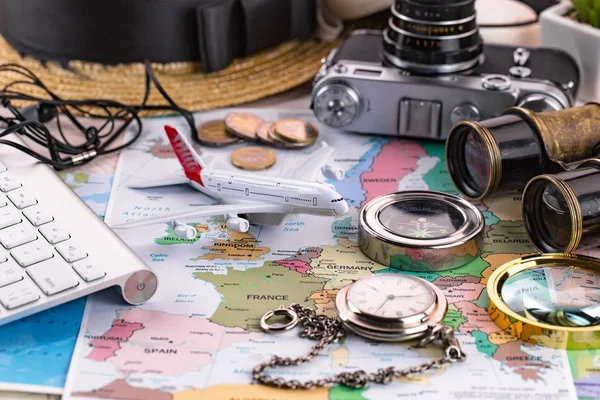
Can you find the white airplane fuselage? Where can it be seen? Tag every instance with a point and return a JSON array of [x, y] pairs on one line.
[[305, 197], [247, 197]]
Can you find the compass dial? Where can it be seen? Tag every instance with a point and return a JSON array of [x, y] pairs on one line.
[[421, 220], [391, 296], [336, 105]]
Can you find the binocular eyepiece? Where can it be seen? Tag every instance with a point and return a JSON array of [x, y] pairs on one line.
[[504, 153]]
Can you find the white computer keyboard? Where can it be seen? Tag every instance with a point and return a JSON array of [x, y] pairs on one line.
[[53, 247]]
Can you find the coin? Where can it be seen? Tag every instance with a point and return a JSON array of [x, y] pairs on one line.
[[277, 141], [253, 158], [243, 125], [263, 132], [214, 133], [296, 131]]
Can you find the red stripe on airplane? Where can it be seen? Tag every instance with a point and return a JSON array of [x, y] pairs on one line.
[[184, 154]]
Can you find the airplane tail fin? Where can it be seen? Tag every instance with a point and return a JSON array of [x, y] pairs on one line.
[[188, 158]]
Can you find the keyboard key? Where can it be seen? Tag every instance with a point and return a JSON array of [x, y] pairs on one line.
[[22, 199], [10, 272], [3, 203], [54, 234], [17, 235], [8, 183], [88, 270], [18, 294], [69, 250], [32, 253], [9, 218], [37, 216], [3, 255], [53, 276]]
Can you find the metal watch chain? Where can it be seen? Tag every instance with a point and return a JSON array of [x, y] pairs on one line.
[[329, 330]]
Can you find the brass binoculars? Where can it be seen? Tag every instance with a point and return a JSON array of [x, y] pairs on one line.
[[553, 157]]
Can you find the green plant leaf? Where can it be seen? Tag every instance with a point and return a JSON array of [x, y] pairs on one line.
[[582, 9], [597, 11], [593, 18]]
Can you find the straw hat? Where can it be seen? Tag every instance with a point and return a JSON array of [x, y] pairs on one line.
[[272, 71]]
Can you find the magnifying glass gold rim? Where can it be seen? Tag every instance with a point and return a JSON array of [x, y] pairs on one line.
[[561, 337]]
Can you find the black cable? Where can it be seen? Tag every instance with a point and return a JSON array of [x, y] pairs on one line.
[[95, 140]]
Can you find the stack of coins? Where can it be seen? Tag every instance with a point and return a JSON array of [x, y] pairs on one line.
[[287, 133]]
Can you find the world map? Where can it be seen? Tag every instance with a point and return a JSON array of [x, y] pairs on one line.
[[199, 337]]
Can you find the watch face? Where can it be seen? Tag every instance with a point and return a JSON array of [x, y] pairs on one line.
[[391, 296]]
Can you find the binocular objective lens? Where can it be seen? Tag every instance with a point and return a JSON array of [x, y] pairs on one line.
[[555, 217], [547, 217], [476, 162], [420, 219]]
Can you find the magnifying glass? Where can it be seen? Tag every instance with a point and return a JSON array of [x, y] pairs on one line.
[[551, 300]]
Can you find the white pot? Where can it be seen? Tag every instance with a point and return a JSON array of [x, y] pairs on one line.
[[580, 40], [496, 12]]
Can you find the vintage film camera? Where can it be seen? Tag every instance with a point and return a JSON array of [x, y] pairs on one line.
[[553, 157], [429, 70]]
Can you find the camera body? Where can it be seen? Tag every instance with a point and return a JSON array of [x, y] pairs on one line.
[[358, 90]]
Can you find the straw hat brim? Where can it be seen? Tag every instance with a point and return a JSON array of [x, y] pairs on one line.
[[248, 79]]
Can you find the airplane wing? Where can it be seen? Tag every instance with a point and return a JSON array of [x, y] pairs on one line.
[[165, 181], [308, 170], [206, 211]]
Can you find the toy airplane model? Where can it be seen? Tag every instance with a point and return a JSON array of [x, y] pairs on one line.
[[261, 199]]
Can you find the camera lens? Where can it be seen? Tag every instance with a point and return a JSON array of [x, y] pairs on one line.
[[433, 36], [435, 10]]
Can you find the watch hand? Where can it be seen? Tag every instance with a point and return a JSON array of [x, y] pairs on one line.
[[382, 304]]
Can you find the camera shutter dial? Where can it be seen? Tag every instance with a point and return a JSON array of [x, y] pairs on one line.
[[336, 105], [496, 82]]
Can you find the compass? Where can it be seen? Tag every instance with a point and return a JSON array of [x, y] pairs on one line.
[[420, 230], [336, 105]]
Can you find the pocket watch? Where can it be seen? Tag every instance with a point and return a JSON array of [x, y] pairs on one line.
[[385, 307]]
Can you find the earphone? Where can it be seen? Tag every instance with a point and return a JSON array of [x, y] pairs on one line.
[[95, 140]]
